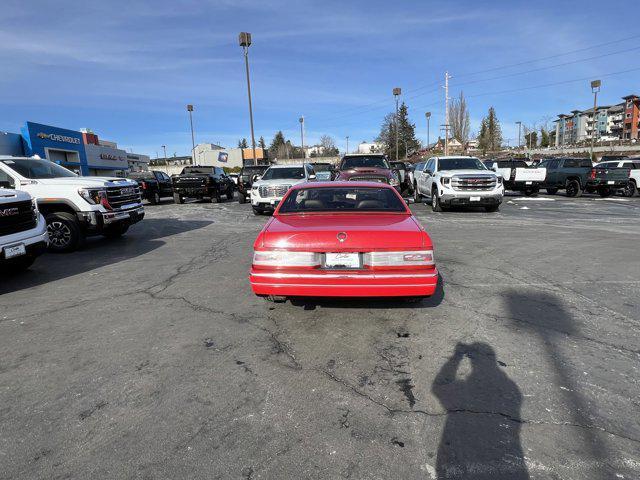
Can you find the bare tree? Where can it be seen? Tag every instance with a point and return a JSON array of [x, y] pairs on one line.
[[459, 120], [328, 146]]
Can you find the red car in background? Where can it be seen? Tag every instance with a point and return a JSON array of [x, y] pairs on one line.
[[343, 239]]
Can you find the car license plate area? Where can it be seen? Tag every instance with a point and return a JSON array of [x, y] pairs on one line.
[[14, 251], [342, 261], [474, 199], [610, 182], [528, 183]]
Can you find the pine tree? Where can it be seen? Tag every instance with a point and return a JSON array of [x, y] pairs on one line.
[[490, 138], [243, 143], [277, 149], [544, 137], [407, 141], [262, 144]]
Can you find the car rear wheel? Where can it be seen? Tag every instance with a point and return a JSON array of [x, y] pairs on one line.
[[64, 230], [630, 189], [435, 202], [604, 192], [551, 191], [574, 189], [257, 211], [241, 198], [230, 193], [178, 198], [528, 192], [155, 198]]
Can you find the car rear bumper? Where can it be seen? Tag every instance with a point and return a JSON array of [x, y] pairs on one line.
[[336, 283]]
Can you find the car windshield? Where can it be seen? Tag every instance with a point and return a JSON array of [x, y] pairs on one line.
[[398, 165], [282, 173], [142, 175], [461, 164], [197, 170], [253, 170], [374, 161], [342, 199], [34, 168], [321, 167]]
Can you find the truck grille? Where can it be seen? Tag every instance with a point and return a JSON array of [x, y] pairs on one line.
[[369, 178], [17, 217], [267, 191], [473, 182], [120, 196]]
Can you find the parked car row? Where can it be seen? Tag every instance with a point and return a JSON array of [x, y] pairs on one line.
[[45, 205]]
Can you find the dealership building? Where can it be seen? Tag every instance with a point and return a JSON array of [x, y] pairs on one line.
[[80, 151]]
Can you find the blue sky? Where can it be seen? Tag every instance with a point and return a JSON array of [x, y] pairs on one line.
[[126, 69]]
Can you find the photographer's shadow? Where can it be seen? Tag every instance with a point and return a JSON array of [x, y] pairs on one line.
[[481, 436]]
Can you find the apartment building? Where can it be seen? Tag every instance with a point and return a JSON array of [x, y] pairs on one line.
[[631, 124]]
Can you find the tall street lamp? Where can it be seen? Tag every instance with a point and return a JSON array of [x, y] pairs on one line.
[[396, 93], [347, 144], [595, 88], [164, 147], [519, 128], [193, 141], [301, 120], [428, 115], [245, 41]]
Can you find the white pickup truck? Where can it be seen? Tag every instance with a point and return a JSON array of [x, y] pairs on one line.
[[275, 182], [518, 176], [74, 207], [633, 164], [451, 181], [23, 231]]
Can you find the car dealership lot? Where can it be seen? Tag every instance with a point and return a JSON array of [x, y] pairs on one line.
[[149, 357]]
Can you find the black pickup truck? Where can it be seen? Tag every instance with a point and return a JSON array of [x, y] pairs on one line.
[[153, 185], [569, 174], [202, 182], [245, 180], [606, 179]]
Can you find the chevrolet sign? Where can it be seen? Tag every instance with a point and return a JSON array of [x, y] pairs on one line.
[[58, 138], [8, 212]]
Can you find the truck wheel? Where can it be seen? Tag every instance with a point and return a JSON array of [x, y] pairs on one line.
[[257, 211], [155, 199], [416, 194], [116, 231], [241, 198], [630, 189], [230, 193], [574, 189], [435, 202], [551, 190], [64, 230], [604, 192], [528, 192], [177, 198], [492, 208], [216, 197]]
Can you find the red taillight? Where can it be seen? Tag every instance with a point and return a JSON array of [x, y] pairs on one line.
[[592, 174], [144, 185]]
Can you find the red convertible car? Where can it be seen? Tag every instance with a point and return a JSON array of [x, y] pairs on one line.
[[343, 239]]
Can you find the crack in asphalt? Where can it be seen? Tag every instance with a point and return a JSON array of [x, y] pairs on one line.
[[392, 411]]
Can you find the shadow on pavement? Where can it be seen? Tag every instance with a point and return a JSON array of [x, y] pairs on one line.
[[142, 238], [311, 303], [545, 315], [481, 436]]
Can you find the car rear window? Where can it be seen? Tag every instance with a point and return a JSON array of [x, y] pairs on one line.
[[342, 199]]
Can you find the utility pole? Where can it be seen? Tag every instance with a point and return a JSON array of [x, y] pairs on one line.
[[164, 147], [245, 41], [396, 93], [519, 128], [595, 88], [347, 144], [193, 141], [446, 113], [428, 115], [304, 155]]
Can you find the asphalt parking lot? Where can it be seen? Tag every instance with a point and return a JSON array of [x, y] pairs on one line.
[[149, 357]]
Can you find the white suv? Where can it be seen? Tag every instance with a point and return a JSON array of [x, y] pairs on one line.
[[74, 207], [23, 231], [451, 181], [269, 189]]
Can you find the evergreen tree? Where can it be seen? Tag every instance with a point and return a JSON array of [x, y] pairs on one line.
[[243, 143], [278, 149], [490, 137], [262, 144], [544, 137], [407, 141]]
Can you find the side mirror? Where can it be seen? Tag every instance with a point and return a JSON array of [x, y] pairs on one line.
[[312, 177], [409, 200], [255, 178]]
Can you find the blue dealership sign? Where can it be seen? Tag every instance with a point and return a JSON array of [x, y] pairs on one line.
[[63, 146]]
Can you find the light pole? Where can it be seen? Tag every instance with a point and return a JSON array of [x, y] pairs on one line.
[[193, 141], [301, 120], [428, 115], [347, 144], [396, 93], [245, 41], [164, 147], [595, 88], [519, 127]]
